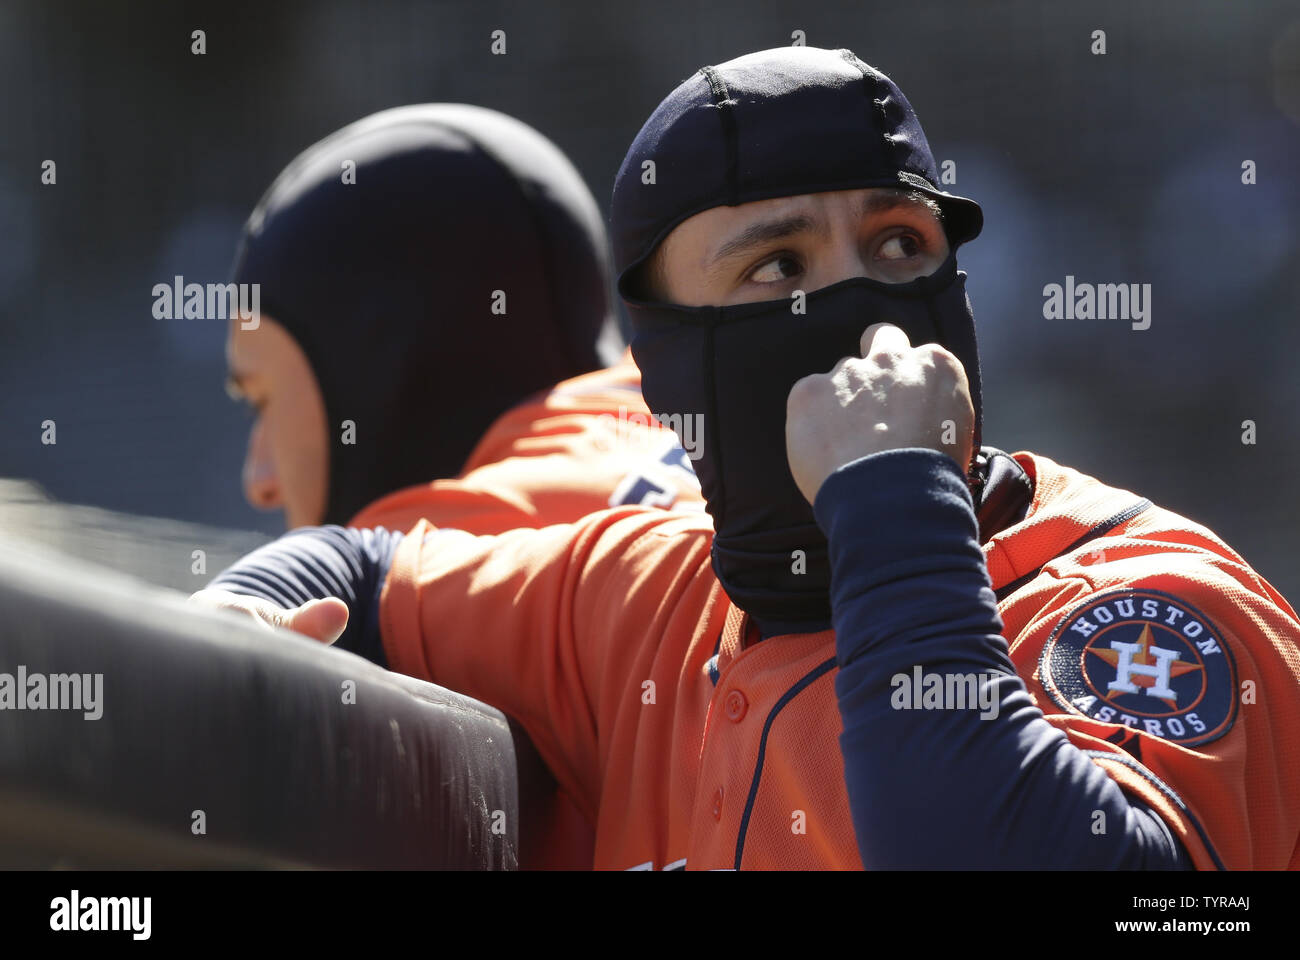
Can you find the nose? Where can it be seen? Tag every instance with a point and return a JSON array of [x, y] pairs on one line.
[[850, 263], [261, 485], [849, 258]]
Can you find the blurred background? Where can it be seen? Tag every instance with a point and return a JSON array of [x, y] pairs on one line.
[[1117, 168]]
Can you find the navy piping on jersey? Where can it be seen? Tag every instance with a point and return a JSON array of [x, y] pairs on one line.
[[1168, 791], [805, 681], [712, 663], [1128, 741], [1128, 513]]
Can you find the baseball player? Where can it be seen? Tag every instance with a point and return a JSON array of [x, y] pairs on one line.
[[379, 253], [378, 283], [892, 646], [393, 259]]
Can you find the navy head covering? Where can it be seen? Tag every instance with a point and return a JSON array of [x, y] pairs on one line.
[[782, 122], [776, 123], [388, 284]]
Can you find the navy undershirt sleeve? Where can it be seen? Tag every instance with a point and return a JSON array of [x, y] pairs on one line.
[[316, 562], [938, 783]]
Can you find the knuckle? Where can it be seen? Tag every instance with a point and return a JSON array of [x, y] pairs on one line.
[[848, 370], [803, 391], [841, 364], [883, 358], [944, 358]]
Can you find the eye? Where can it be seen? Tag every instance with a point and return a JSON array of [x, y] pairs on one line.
[[778, 268], [901, 247], [253, 408]]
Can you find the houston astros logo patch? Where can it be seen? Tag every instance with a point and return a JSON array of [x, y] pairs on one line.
[[1144, 659]]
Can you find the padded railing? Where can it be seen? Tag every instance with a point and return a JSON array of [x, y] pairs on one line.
[[222, 743]]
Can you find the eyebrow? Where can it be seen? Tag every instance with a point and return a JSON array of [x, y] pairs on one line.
[[766, 231], [757, 234]]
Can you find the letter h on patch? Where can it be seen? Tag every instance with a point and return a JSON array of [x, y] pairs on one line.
[[1158, 671]]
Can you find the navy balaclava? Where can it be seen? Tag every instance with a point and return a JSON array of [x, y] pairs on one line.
[[388, 284], [782, 122]]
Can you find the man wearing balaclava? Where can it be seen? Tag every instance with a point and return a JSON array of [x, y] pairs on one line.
[[886, 646], [400, 259], [420, 272]]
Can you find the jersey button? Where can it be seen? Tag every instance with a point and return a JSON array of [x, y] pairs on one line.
[[737, 706], [717, 804]]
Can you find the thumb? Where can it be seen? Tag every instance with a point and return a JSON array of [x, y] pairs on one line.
[[322, 619], [883, 336]]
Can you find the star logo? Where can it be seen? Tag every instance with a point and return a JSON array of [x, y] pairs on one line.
[[1143, 657]]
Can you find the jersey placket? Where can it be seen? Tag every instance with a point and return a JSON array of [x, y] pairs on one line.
[[749, 683]]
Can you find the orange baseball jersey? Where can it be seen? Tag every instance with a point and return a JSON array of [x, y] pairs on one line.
[[588, 444], [690, 745]]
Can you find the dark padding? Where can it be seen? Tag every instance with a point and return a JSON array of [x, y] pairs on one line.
[[206, 711]]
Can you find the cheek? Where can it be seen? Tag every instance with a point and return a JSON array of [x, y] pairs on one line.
[[301, 459], [259, 460]]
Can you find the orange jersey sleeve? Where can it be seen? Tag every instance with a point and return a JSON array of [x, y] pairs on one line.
[[563, 628], [586, 445], [1157, 649]]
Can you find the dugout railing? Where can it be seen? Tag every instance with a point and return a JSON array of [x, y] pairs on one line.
[[219, 743]]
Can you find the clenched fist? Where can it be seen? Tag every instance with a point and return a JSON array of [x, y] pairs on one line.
[[894, 396]]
